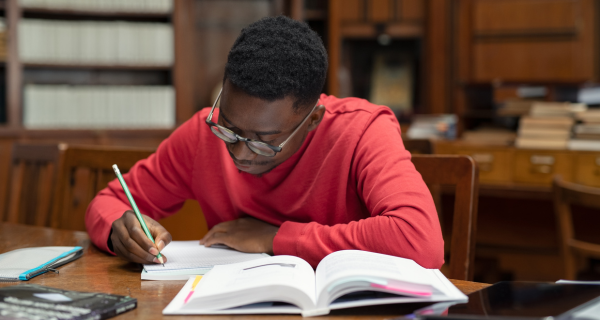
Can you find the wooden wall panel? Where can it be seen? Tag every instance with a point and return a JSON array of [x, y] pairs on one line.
[[526, 16], [380, 10], [543, 61], [352, 10], [526, 40], [436, 60], [410, 10]]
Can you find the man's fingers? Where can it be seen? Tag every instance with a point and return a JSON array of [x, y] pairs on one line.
[[132, 245], [138, 235], [216, 238], [123, 252], [134, 248]]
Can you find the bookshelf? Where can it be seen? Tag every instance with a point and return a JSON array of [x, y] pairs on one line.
[[21, 73], [359, 30], [497, 51]]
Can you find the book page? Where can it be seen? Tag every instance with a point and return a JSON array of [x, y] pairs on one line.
[[183, 255], [377, 270], [281, 278]]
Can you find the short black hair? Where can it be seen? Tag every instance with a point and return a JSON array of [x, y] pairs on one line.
[[276, 57]]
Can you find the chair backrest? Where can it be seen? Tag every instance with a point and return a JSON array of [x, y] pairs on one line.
[[565, 195], [418, 146], [460, 172], [86, 170], [33, 174]]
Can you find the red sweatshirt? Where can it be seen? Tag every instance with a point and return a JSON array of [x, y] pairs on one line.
[[351, 185]]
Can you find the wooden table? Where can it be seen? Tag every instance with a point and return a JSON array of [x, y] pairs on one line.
[[100, 272]]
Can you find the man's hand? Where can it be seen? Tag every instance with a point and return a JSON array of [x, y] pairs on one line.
[[244, 234], [131, 243]]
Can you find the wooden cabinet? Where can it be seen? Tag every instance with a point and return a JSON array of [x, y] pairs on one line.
[[540, 166], [495, 163], [587, 168], [525, 169]]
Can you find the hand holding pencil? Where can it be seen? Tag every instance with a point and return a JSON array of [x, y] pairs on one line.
[[133, 235]]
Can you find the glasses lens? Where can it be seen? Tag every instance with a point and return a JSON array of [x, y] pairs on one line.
[[224, 134], [261, 148]]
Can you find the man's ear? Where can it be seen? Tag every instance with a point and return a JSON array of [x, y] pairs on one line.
[[316, 117]]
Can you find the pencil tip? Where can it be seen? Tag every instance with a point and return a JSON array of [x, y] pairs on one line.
[[163, 264]]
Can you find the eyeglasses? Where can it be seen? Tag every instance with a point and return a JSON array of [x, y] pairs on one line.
[[256, 146]]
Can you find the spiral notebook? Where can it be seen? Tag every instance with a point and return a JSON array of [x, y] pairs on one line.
[[26, 263]]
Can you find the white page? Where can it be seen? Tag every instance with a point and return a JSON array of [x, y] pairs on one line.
[[349, 266], [254, 281], [347, 263], [175, 306], [191, 255]]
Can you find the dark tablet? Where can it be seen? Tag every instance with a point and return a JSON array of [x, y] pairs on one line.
[[524, 300]]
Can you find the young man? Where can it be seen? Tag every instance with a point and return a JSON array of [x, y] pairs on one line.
[[279, 167]]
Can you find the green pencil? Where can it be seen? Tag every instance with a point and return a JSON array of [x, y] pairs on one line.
[[136, 210]]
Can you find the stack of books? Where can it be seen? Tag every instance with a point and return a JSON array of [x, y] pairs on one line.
[[548, 126], [587, 133]]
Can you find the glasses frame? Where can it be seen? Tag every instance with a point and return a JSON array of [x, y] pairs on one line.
[[275, 149]]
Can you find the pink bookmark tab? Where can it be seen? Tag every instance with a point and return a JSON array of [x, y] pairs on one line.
[[388, 287], [198, 278]]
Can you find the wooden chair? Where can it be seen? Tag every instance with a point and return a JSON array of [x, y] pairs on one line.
[[565, 195], [88, 169], [460, 172], [33, 174], [418, 146]]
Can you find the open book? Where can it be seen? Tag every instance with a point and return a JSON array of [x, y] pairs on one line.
[[287, 284]]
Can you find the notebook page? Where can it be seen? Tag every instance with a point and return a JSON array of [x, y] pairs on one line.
[[15, 262], [191, 255]]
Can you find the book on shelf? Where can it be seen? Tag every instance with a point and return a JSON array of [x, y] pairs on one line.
[[132, 6], [589, 95], [98, 107], [528, 143], [584, 144], [515, 107], [289, 285], [490, 136], [95, 43], [547, 122], [556, 109], [587, 128], [544, 133], [433, 126]]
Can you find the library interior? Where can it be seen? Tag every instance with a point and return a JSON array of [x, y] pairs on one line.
[[498, 102]]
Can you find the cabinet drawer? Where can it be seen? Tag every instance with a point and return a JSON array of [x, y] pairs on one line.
[[587, 169], [494, 165], [538, 167]]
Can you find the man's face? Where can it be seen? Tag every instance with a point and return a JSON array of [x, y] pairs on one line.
[[271, 122]]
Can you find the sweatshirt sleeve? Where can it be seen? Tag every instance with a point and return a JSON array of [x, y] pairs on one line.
[[403, 220], [159, 184]]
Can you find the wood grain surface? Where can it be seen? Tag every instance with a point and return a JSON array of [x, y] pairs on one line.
[[100, 272]]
